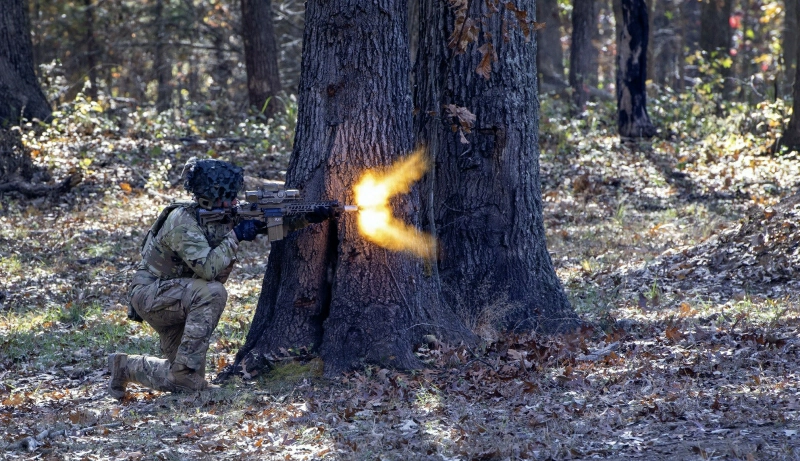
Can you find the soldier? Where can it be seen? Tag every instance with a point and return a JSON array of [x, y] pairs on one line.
[[178, 288]]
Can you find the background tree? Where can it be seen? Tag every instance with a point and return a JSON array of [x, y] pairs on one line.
[[161, 66], [20, 93], [791, 136], [261, 56], [789, 41], [326, 287], [483, 198], [550, 57], [632, 118], [582, 57]]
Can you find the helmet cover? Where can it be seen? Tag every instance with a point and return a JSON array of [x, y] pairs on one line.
[[212, 180]]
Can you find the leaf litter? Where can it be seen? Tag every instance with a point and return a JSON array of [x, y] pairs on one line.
[[689, 350]]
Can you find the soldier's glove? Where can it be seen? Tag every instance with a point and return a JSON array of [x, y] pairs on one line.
[[246, 230], [320, 214]]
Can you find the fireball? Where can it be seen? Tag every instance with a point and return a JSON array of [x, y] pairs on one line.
[[375, 220]]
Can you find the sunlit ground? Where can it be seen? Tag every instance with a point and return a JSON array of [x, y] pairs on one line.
[[665, 374]]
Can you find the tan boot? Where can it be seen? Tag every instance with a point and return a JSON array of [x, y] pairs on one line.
[[118, 367], [185, 379]]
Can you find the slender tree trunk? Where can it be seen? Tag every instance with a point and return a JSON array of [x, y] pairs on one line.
[[715, 36], [632, 118], [584, 21], [550, 58], [791, 137], [690, 40], [161, 65], [665, 45], [20, 93], [91, 48], [222, 70], [790, 42], [326, 287], [261, 56], [483, 198], [715, 32]]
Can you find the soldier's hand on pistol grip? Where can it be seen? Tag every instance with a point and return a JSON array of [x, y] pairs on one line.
[[246, 230], [320, 214]]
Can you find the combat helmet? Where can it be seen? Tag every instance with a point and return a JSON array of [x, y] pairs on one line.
[[212, 180]]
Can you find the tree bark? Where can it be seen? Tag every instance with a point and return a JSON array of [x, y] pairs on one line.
[[483, 199], [326, 287], [20, 93], [632, 118], [581, 70], [791, 137], [261, 56], [550, 58]]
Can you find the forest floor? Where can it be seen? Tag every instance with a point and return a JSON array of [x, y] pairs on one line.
[[675, 252]]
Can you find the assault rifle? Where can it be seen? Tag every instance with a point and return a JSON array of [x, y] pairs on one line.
[[270, 205]]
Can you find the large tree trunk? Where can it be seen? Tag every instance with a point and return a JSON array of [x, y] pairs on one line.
[[325, 286], [550, 58], [483, 198], [261, 56], [582, 66], [791, 137], [20, 93], [632, 118]]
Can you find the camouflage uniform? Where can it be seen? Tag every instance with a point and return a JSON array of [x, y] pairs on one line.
[[178, 291]]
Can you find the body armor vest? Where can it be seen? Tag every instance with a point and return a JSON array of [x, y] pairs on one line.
[[158, 258]]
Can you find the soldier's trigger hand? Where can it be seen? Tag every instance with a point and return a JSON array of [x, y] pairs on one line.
[[261, 227], [246, 230]]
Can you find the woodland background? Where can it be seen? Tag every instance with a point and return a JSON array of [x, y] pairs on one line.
[[679, 252]]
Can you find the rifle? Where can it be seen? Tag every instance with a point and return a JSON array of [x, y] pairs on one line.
[[270, 205]]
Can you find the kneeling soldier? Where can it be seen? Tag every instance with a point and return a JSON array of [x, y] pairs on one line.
[[178, 288]]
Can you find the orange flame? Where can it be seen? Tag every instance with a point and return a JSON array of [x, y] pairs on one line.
[[375, 220]]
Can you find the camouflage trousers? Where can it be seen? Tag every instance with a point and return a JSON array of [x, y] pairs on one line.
[[184, 312]]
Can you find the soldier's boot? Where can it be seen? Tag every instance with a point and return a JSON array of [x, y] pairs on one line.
[[185, 379], [118, 367], [150, 372]]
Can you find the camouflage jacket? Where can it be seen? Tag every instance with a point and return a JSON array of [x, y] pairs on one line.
[[178, 246]]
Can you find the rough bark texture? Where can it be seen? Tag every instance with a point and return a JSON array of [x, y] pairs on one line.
[[791, 137], [483, 199], [550, 58], [632, 118], [325, 286], [582, 68], [20, 93], [261, 56]]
